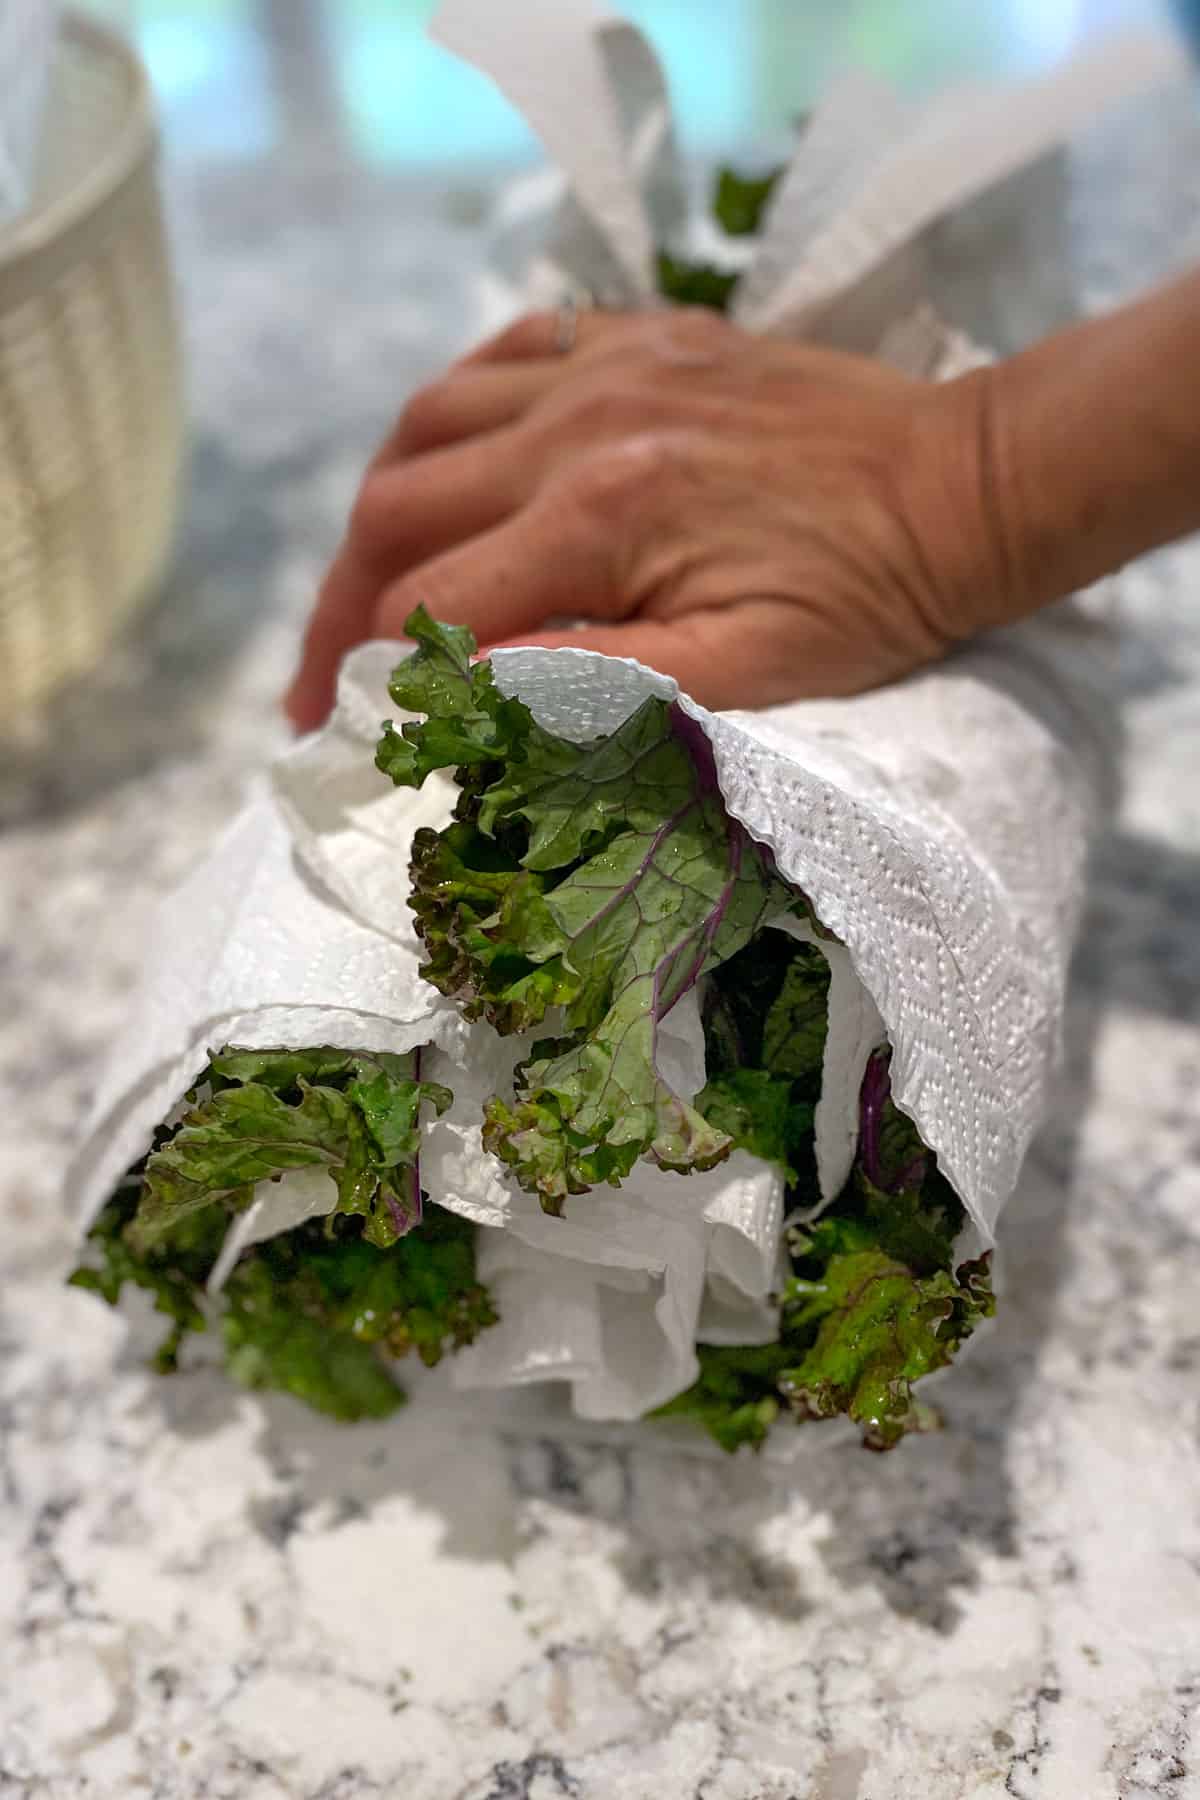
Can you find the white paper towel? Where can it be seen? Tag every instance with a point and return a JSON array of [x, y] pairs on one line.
[[938, 827]]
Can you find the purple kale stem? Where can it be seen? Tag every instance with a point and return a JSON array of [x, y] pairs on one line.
[[664, 831], [876, 1091], [695, 741], [417, 1208], [737, 842]]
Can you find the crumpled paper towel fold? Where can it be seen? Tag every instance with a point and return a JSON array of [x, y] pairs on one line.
[[938, 827]]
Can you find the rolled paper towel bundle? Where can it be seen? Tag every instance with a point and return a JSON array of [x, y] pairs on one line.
[[577, 1035]]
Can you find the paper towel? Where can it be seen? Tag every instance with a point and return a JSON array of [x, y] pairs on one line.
[[938, 828]]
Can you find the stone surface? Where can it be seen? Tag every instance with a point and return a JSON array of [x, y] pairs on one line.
[[207, 1594]]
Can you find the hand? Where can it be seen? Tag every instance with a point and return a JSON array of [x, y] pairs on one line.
[[759, 519]]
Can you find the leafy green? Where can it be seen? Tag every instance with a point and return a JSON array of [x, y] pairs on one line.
[[689, 283], [174, 1271], [765, 1017], [356, 1115], [313, 1310], [739, 201], [736, 1397], [880, 1327], [738, 204], [603, 879], [874, 1301], [307, 1311], [857, 1329], [271, 1343], [757, 1111]]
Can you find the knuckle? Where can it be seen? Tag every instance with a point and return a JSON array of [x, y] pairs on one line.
[[605, 410], [606, 485], [425, 412]]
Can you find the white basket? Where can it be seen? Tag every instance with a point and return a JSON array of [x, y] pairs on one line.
[[91, 416], [27, 30]]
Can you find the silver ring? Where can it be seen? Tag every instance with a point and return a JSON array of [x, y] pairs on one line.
[[566, 325]]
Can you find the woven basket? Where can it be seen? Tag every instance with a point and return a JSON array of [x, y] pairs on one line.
[[90, 393]]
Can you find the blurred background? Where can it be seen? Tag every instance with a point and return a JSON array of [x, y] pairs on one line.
[[242, 79]]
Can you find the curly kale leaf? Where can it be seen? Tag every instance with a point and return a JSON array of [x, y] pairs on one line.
[[739, 201], [354, 1114], [642, 921], [858, 1328], [738, 205], [757, 1112], [312, 1311], [736, 1396], [880, 1328], [491, 943], [601, 879], [875, 1301], [173, 1271], [688, 283], [308, 1312], [765, 1018]]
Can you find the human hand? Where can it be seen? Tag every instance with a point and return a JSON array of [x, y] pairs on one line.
[[760, 519]]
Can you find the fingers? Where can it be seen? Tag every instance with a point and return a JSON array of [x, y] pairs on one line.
[[465, 403], [408, 511], [405, 512], [727, 657], [546, 562], [340, 620]]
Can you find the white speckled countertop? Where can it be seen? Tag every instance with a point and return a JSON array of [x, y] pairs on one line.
[[207, 1594]]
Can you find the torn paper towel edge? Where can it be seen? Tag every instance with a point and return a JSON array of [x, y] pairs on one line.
[[868, 176]]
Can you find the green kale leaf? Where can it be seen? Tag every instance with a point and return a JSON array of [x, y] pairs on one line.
[[314, 1310], [308, 1312], [687, 283], [880, 1328], [757, 1112], [173, 1271], [354, 1114], [601, 880], [736, 1396], [874, 1302], [739, 201]]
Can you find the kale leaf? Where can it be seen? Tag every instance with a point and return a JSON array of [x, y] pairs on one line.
[[738, 204], [308, 1311], [688, 283], [314, 1310], [354, 1114], [736, 1397], [602, 879], [879, 1328], [874, 1301], [739, 201], [174, 1271]]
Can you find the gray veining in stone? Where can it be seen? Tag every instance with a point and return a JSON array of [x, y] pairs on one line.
[[204, 1593]]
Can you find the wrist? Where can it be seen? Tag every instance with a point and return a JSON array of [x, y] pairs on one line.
[[968, 508]]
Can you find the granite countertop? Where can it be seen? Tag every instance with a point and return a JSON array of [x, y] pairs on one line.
[[207, 1593]]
